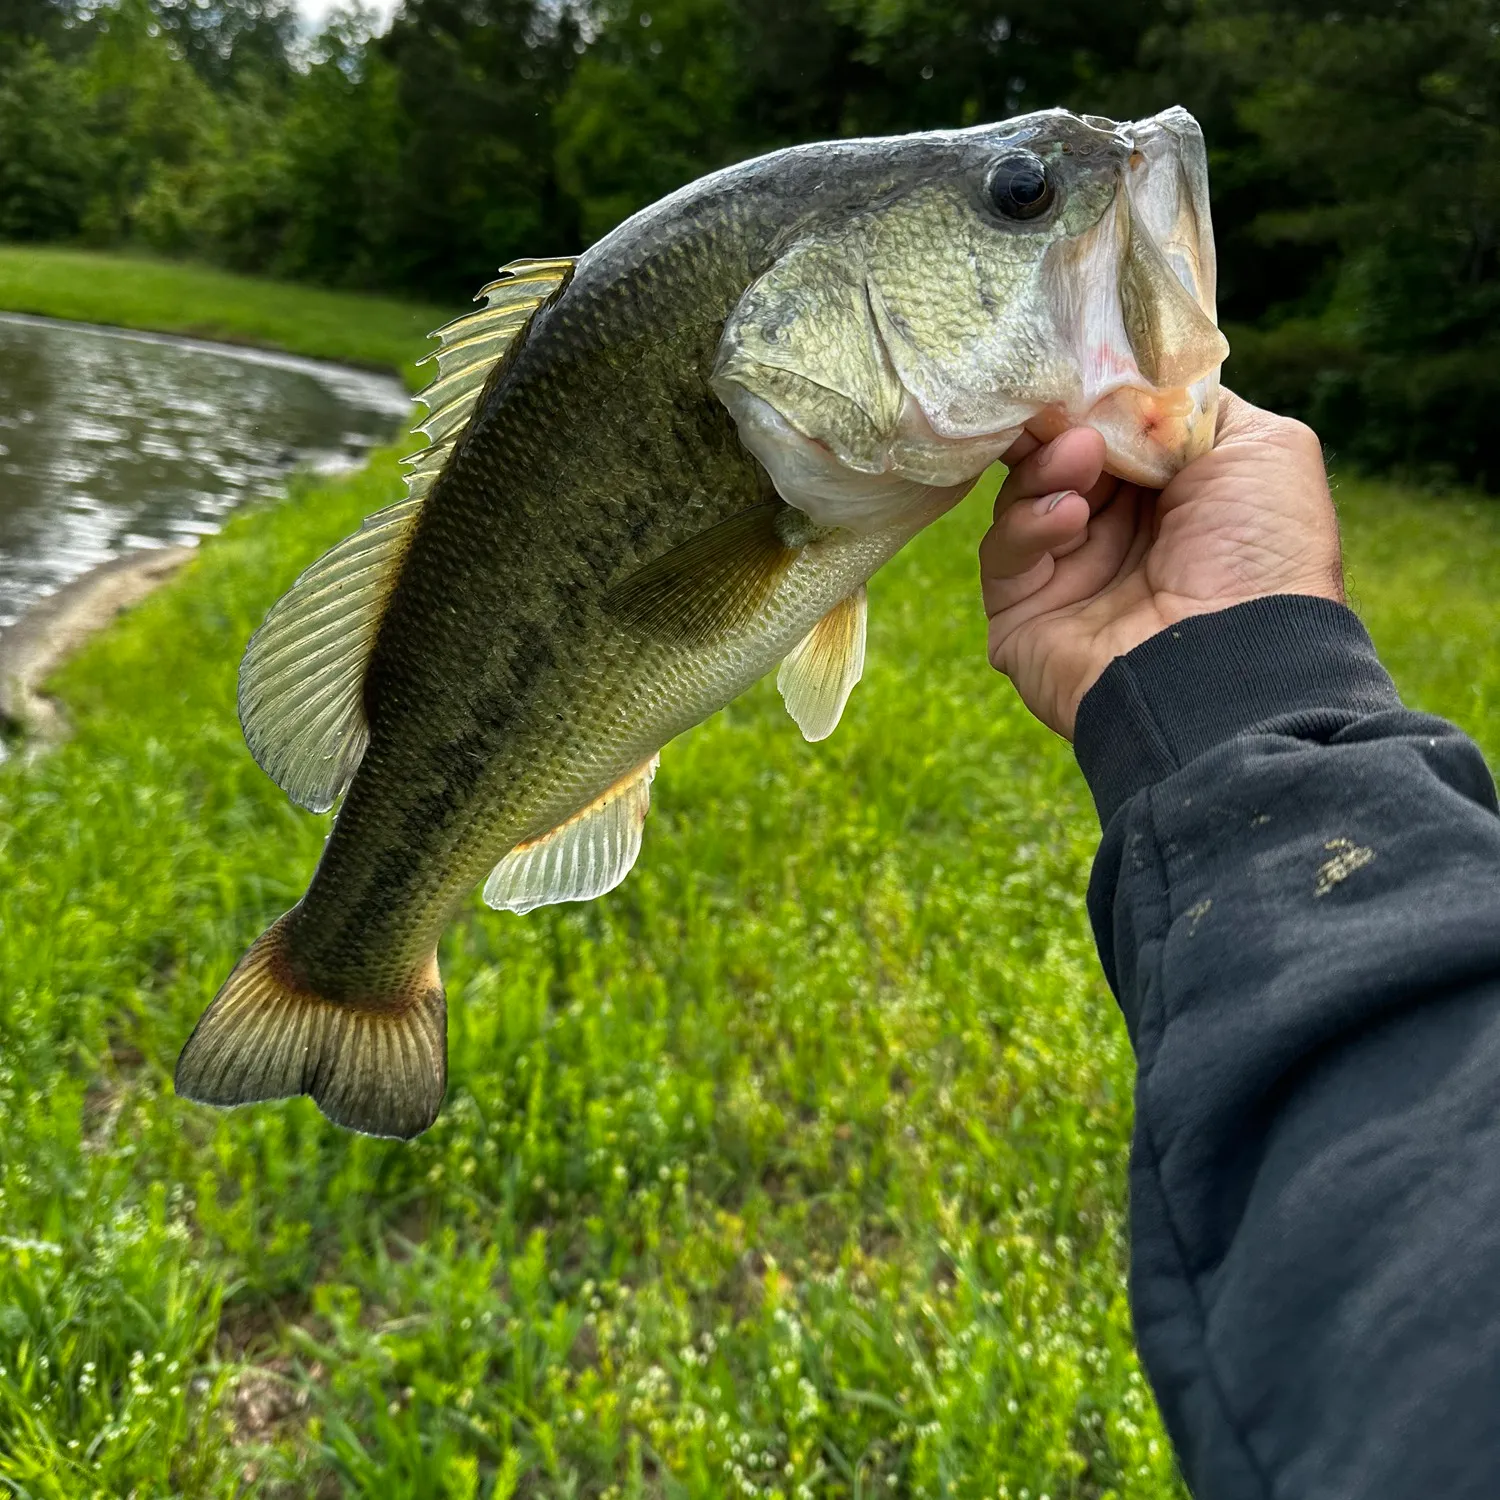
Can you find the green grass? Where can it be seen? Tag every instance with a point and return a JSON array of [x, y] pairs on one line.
[[173, 297], [794, 1167]]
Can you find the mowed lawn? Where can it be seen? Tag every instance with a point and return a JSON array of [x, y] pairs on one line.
[[174, 297], [794, 1167]]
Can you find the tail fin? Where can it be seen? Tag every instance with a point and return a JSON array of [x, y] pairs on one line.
[[379, 1067]]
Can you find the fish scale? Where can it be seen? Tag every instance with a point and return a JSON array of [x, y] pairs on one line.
[[655, 474]]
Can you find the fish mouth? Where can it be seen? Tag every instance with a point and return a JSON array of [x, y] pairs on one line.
[[1132, 337], [1134, 297]]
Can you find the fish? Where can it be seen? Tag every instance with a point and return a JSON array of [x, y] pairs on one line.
[[656, 472]]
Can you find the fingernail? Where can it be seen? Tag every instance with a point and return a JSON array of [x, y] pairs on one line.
[[1049, 503]]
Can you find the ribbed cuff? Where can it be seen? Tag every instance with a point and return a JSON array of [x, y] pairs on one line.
[[1304, 664]]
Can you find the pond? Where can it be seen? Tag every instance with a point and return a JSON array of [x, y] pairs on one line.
[[112, 441]]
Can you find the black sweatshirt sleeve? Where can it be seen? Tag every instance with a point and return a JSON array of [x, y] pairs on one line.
[[1297, 902]]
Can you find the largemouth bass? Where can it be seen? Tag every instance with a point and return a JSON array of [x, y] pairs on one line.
[[654, 473]]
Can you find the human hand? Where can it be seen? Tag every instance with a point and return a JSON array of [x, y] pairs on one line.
[[1079, 568]]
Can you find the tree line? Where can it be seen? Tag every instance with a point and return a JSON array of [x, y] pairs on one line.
[[1355, 152]]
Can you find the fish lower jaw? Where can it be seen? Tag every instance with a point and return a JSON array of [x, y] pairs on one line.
[[1149, 435], [865, 494]]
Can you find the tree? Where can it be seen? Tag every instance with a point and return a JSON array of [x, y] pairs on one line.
[[226, 41], [44, 148], [476, 85], [1355, 153], [1375, 146]]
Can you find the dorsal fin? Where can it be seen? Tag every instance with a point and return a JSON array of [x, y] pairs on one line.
[[584, 857], [301, 694], [470, 349], [301, 698]]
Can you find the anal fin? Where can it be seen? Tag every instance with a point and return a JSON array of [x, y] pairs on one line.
[[582, 858], [821, 670]]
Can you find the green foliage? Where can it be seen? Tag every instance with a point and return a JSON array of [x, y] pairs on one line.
[[338, 152], [1376, 159], [44, 148], [152, 122], [649, 105], [478, 83], [232, 43], [667, 91]]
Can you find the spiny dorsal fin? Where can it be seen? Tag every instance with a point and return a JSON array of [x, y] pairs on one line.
[[302, 679], [713, 584], [585, 857], [470, 349], [819, 673]]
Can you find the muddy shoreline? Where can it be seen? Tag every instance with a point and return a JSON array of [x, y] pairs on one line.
[[55, 627]]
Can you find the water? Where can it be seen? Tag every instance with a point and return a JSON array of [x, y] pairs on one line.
[[112, 441]]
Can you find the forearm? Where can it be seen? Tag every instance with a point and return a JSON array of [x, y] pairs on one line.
[[1298, 904]]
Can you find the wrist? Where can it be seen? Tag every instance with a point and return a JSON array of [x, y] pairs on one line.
[[1167, 612], [1291, 659]]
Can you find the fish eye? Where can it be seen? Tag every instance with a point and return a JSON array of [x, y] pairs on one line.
[[1020, 185]]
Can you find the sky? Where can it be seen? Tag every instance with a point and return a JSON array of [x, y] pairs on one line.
[[314, 11]]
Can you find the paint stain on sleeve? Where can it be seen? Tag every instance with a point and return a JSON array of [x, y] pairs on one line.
[[1347, 858]]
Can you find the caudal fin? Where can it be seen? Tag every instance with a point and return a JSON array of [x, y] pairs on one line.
[[379, 1066]]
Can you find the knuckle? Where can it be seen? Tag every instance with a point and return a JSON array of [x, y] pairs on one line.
[[1300, 438]]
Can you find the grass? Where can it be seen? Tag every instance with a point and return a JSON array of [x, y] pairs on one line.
[[173, 297], [794, 1167]]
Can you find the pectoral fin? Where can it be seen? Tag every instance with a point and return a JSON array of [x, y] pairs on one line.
[[585, 857], [711, 586], [818, 675]]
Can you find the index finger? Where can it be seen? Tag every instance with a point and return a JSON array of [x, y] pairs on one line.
[[1239, 418]]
